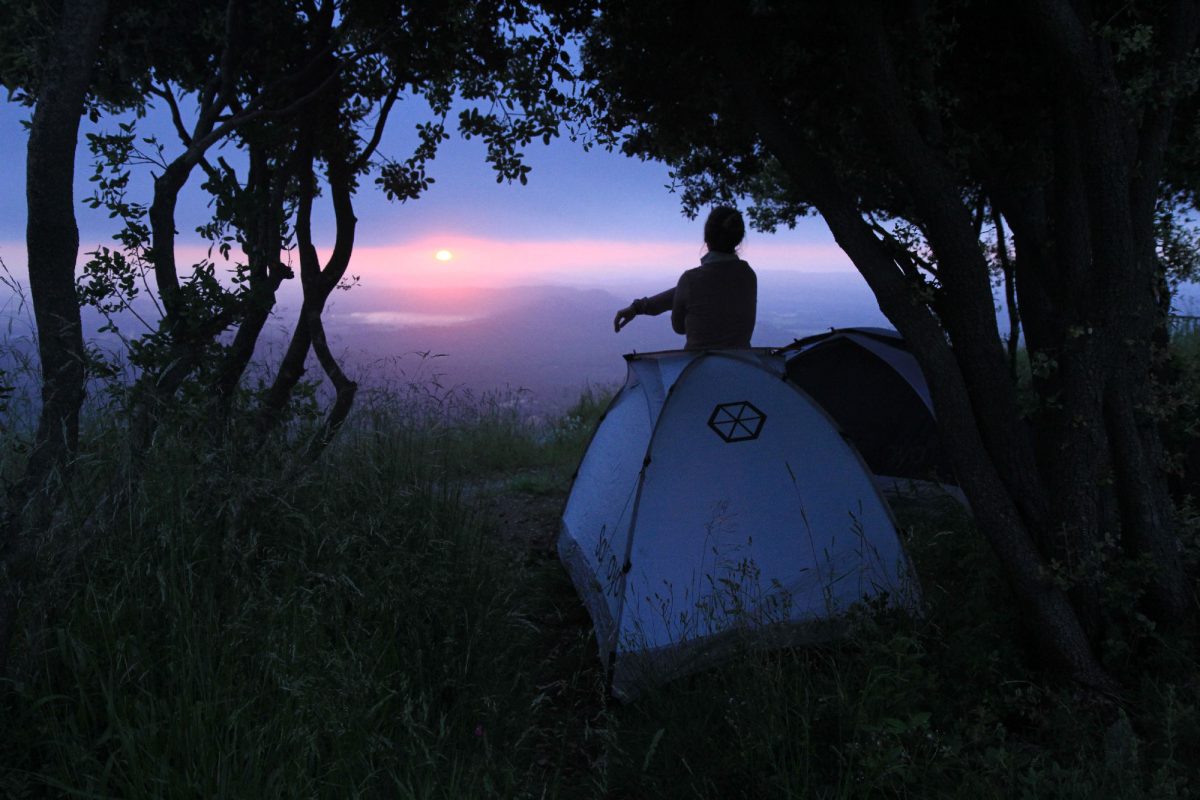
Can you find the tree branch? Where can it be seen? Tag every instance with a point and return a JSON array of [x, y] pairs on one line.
[[384, 110], [908, 261], [1182, 32], [165, 93], [345, 224], [1068, 37], [255, 109], [225, 80]]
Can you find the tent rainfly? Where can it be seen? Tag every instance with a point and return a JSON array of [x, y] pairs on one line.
[[717, 499], [871, 384]]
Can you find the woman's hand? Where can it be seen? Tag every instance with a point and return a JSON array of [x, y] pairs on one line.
[[623, 318]]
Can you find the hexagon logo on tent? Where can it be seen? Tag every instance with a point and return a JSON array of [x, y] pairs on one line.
[[737, 422]]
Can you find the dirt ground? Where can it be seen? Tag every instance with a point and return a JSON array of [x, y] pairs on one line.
[[525, 509]]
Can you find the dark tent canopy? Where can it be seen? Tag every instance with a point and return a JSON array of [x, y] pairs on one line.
[[868, 381]]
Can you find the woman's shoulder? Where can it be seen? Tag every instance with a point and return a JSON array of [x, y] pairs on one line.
[[740, 266], [718, 268]]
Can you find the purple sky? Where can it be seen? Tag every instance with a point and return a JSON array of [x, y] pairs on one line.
[[586, 221], [585, 218]]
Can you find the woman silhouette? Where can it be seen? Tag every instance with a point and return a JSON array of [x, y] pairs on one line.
[[713, 304]]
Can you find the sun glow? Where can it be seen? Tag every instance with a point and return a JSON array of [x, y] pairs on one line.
[[483, 262], [443, 255]]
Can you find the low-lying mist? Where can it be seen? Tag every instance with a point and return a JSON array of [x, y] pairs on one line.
[[538, 345]]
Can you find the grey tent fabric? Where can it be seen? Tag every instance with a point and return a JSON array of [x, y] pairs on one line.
[[869, 382], [716, 502]]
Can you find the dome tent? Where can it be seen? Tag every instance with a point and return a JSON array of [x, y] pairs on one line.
[[871, 384], [717, 499]]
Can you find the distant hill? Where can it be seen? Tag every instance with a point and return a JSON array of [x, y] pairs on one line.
[[553, 340], [548, 342]]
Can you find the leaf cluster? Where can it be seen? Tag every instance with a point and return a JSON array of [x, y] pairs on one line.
[[670, 81], [314, 97], [140, 38]]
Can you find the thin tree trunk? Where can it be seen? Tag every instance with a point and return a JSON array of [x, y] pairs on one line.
[[1012, 342], [52, 239], [291, 370], [318, 283], [261, 222], [345, 389]]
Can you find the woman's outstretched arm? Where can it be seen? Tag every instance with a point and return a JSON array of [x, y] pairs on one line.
[[652, 306]]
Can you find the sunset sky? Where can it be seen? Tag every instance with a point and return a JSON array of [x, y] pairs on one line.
[[585, 218]]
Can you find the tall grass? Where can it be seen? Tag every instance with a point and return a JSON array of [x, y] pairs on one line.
[[939, 706], [249, 629]]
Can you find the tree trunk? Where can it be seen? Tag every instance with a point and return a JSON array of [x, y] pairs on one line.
[[291, 370], [318, 283], [968, 315], [1053, 622], [1013, 339], [1147, 512], [52, 239], [261, 222], [1123, 147]]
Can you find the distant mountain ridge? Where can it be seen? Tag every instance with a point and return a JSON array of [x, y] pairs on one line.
[[543, 342], [553, 340]]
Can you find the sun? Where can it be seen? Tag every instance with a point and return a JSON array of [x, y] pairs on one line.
[[443, 255]]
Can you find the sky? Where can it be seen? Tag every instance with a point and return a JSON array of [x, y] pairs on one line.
[[597, 222], [591, 230], [585, 218]]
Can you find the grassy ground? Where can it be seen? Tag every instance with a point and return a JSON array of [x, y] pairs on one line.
[[392, 623]]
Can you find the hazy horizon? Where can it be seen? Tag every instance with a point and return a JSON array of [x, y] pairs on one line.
[[536, 271], [539, 343], [535, 274], [545, 342]]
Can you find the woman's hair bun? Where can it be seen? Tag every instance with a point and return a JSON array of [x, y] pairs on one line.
[[724, 229]]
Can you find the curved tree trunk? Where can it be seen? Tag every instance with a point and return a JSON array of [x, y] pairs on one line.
[[261, 219], [318, 283]]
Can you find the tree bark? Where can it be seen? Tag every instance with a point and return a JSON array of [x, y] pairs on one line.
[[52, 239], [1012, 310], [261, 223], [1124, 151], [1053, 622], [318, 283]]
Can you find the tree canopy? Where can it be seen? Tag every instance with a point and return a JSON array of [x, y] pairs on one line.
[[942, 143], [299, 93], [1046, 146]]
